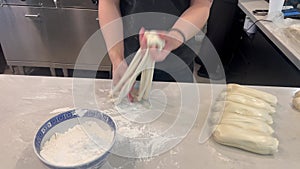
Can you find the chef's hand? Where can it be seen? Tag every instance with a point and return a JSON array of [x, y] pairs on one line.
[[119, 68], [172, 39]]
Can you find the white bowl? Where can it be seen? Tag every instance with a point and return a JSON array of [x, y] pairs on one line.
[[64, 121]]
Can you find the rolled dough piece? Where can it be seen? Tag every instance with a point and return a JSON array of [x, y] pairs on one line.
[[250, 125], [250, 101], [271, 99], [297, 94], [250, 140], [240, 108], [232, 107], [296, 103], [239, 117]]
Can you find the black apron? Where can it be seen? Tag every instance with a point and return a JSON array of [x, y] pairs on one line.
[[156, 15]]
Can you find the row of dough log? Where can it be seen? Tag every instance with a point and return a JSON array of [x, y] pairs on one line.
[[245, 119], [267, 97]]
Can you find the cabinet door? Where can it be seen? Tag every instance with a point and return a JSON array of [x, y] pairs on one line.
[[21, 32], [84, 4], [36, 3], [67, 32], [48, 36]]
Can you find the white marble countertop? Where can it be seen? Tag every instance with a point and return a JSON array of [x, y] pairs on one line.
[[26, 103], [288, 46]]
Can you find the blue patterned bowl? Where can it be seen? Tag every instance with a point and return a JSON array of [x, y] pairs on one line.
[[61, 123]]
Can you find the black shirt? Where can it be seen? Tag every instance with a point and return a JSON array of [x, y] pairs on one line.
[[154, 15]]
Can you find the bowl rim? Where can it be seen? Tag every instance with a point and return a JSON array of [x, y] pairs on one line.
[[86, 164]]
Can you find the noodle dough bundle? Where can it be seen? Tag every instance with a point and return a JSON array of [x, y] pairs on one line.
[[141, 63]]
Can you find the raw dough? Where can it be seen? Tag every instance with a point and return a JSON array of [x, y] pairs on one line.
[[296, 103], [250, 101], [296, 100], [258, 142], [240, 108], [141, 63], [254, 125], [297, 94], [271, 99], [245, 119], [239, 117]]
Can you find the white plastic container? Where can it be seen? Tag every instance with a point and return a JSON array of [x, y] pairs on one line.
[[275, 8], [249, 26]]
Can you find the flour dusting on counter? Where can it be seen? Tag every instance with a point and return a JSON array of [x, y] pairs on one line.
[[61, 110], [80, 144], [140, 140]]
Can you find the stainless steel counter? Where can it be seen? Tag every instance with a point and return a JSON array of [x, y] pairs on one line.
[[26, 103]]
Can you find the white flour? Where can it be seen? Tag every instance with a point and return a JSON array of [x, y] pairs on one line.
[[61, 110], [127, 126], [80, 144], [137, 140]]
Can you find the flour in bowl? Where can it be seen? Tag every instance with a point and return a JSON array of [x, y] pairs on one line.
[[80, 144]]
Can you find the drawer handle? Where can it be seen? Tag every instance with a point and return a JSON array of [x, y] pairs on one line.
[[32, 16], [97, 19]]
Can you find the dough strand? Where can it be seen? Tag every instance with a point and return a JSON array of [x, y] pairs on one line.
[[141, 64]]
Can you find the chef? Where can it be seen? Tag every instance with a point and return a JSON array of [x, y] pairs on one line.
[[191, 15]]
